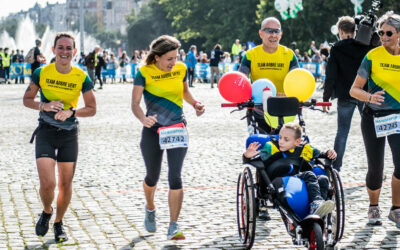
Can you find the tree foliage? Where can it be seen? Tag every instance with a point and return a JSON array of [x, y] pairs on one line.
[[150, 23]]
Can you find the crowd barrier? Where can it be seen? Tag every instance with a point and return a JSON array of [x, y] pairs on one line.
[[202, 70]]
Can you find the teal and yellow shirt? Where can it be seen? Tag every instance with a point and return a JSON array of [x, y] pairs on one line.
[[163, 92], [273, 66], [308, 152], [55, 86], [382, 70]]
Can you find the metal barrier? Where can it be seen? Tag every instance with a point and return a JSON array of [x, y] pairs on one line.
[[202, 70]]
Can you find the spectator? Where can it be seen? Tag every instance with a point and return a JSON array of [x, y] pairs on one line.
[[38, 56], [227, 57], [306, 58], [91, 62], [123, 62], [204, 58], [101, 63], [242, 52], [6, 57], [312, 49], [191, 64], [215, 58], [298, 55], [316, 57], [236, 47], [182, 55]]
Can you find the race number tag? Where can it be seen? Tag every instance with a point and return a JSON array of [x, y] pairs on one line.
[[173, 137], [387, 125]]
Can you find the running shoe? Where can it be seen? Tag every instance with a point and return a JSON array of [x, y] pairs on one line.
[[321, 207], [59, 232], [394, 215], [374, 215], [150, 220], [42, 225], [174, 233]]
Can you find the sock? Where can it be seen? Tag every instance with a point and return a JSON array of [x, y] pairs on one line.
[[394, 207], [373, 205]]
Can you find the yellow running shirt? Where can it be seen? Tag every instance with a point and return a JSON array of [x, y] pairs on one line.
[[163, 92], [382, 70], [55, 86], [273, 66]]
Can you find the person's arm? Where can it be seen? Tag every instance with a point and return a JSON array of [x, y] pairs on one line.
[[331, 76], [357, 89], [359, 93], [294, 64], [187, 96], [147, 121]]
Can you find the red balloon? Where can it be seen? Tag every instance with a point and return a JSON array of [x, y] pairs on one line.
[[235, 87]]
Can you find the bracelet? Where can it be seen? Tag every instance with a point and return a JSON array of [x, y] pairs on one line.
[[194, 104], [370, 97], [73, 111], [41, 106]]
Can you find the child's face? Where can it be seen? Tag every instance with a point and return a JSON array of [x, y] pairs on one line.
[[287, 139]]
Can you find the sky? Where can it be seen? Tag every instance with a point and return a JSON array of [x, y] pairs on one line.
[[12, 6]]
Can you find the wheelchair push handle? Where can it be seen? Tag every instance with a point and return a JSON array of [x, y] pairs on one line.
[[241, 105], [314, 103], [324, 155]]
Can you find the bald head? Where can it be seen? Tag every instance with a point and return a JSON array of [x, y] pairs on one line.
[[270, 20]]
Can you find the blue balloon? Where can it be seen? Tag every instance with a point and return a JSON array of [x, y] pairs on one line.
[[257, 89]]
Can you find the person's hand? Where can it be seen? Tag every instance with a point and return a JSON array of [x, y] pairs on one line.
[[252, 150], [199, 107], [53, 106], [331, 154], [63, 115], [377, 97], [149, 121], [325, 109]]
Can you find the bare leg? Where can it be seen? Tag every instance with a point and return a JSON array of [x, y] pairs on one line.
[[374, 195], [149, 194], [65, 175], [175, 199], [46, 171], [395, 191]]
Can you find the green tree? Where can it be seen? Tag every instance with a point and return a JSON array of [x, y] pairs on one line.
[[149, 24], [214, 21]]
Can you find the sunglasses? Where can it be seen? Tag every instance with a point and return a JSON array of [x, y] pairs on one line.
[[271, 31], [388, 33]]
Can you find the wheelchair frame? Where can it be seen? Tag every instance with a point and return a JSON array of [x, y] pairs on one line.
[[312, 231]]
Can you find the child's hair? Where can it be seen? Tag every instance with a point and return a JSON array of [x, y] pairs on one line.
[[295, 127]]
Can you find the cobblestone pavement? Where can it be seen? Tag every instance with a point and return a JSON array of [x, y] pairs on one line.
[[107, 206]]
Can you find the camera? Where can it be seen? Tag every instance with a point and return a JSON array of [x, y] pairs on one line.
[[366, 26]]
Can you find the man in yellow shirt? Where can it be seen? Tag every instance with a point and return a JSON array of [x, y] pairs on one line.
[[236, 48], [269, 60], [272, 61]]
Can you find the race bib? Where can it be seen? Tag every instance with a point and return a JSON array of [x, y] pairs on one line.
[[387, 125], [173, 137]]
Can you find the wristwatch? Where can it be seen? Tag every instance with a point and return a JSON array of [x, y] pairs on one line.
[[73, 111]]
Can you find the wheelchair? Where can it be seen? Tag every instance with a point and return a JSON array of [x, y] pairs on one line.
[[287, 194]]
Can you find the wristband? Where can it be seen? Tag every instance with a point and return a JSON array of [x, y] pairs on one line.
[[370, 97], [194, 104], [73, 111]]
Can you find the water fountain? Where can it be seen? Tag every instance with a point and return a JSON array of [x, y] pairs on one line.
[[26, 35]]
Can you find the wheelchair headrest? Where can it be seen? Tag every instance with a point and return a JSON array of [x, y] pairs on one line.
[[282, 106], [260, 138]]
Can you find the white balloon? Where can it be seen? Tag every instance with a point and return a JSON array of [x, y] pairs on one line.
[[281, 5], [334, 30]]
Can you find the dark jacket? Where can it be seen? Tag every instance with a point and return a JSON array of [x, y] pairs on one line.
[[344, 60], [89, 60], [100, 64]]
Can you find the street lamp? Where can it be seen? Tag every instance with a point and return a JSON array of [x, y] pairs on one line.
[[81, 26]]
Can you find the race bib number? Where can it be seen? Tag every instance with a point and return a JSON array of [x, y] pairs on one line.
[[387, 125], [175, 137]]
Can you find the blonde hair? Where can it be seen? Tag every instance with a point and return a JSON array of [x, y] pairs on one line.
[[295, 127]]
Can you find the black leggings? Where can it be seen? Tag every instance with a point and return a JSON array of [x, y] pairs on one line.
[[375, 149], [152, 155]]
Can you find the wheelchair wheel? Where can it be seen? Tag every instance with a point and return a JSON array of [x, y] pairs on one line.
[[246, 208], [316, 240], [337, 217]]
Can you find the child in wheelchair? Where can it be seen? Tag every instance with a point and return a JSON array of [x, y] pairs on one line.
[[290, 145]]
